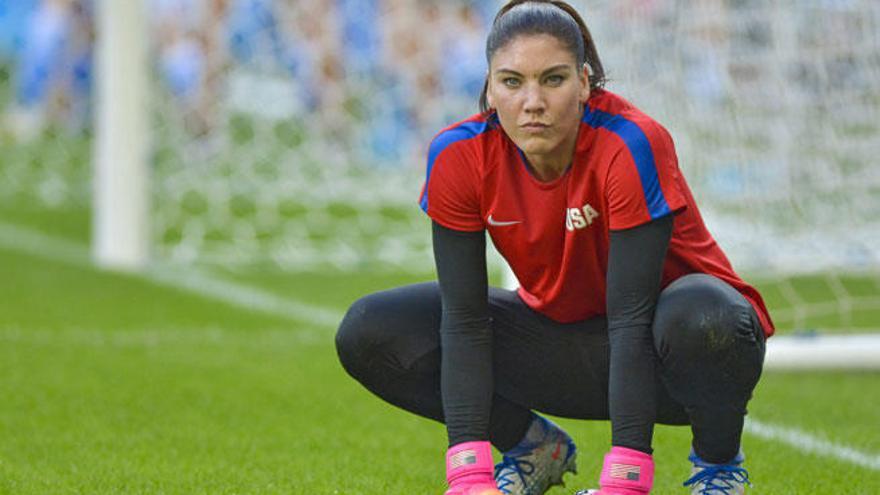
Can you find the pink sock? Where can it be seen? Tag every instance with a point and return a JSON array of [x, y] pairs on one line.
[[627, 472], [469, 469]]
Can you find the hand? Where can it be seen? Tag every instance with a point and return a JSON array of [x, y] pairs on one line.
[[469, 469]]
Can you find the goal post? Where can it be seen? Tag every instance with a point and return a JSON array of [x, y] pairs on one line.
[[121, 183]]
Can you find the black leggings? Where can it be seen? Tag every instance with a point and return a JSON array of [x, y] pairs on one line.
[[707, 337]]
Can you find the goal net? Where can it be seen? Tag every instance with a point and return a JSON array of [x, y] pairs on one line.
[[293, 134]]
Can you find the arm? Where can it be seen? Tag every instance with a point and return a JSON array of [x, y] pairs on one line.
[[635, 267], [466, 365], [465, 336]]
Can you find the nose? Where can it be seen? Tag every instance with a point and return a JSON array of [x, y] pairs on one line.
[[534, 101]]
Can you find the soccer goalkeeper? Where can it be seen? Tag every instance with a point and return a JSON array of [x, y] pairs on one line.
[[627, 308]]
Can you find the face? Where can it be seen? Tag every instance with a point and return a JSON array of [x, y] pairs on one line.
[[538, 91]]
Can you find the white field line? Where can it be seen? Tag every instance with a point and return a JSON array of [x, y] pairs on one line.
[[147, 338], [29, 241], [237, 294], [33, 242], [805, 442]]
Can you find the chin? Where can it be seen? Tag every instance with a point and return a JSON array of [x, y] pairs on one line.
[[535, 146]]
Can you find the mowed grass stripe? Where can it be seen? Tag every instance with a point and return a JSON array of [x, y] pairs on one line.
[[112, 384], [33, 242], [269, 339], [204, 410], [160, 337], [184, 410]]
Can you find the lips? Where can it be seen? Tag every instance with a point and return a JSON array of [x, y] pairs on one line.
[[534, 127]]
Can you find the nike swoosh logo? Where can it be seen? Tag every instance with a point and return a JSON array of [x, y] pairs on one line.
[[496, 223]]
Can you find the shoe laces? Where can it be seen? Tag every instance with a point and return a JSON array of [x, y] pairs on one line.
[[515, 467], [718, 479]]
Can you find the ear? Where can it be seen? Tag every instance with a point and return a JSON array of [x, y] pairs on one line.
[[585, 83], [490, 98]]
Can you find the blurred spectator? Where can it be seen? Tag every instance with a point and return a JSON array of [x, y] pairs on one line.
[[191, 56], [13, 17], [360, 36], [464, 60], [53, 69], [180, 53], [258, 38]]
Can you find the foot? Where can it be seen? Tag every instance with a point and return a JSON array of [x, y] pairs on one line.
[[538, 462], [717, 479], [625, 472]]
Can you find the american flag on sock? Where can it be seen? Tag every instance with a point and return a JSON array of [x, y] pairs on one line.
[[625, 472], [463, 458]]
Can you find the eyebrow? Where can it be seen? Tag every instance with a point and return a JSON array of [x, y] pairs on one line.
[[551, 69]]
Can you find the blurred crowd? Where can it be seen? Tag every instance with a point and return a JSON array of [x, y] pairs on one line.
[[336, 61], [385, 74]]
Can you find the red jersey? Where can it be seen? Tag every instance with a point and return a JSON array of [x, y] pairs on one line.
[[554, 235]]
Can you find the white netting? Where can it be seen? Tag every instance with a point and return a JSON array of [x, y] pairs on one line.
[[294, 132], [774, 106], [775, 109], [305, 145]]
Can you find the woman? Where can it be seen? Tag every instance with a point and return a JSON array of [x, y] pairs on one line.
[[627, 308]]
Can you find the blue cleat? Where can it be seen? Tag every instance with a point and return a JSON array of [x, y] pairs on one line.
[[718, 479], [538, 462]]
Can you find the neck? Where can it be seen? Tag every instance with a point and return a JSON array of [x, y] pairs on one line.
[[551, 166], [546, 171]]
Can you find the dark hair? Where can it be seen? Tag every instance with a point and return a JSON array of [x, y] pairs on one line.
[[554, 17]]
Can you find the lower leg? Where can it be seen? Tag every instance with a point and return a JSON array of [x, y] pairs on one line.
[[716, 433]]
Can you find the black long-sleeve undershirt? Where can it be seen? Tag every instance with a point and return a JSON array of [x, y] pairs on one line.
[[635, 267], [633, 279], [465, 336]]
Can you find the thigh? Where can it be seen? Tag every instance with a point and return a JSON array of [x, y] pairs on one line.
[[556, 368]]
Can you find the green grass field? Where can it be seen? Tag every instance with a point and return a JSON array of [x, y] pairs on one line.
[[115, 383]]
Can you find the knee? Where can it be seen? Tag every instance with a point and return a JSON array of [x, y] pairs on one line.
[[711, 331], [701, 317], [357, 336]]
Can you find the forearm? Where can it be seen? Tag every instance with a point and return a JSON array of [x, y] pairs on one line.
[[466, 338], [634, 270], [632, 388], [466, 379]]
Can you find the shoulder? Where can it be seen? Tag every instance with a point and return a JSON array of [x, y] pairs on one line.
[[628, 128], [642, 176], [461, 135], [451, 194]]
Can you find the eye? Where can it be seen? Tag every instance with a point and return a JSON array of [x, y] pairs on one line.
[[555, 79], [510, 82]]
